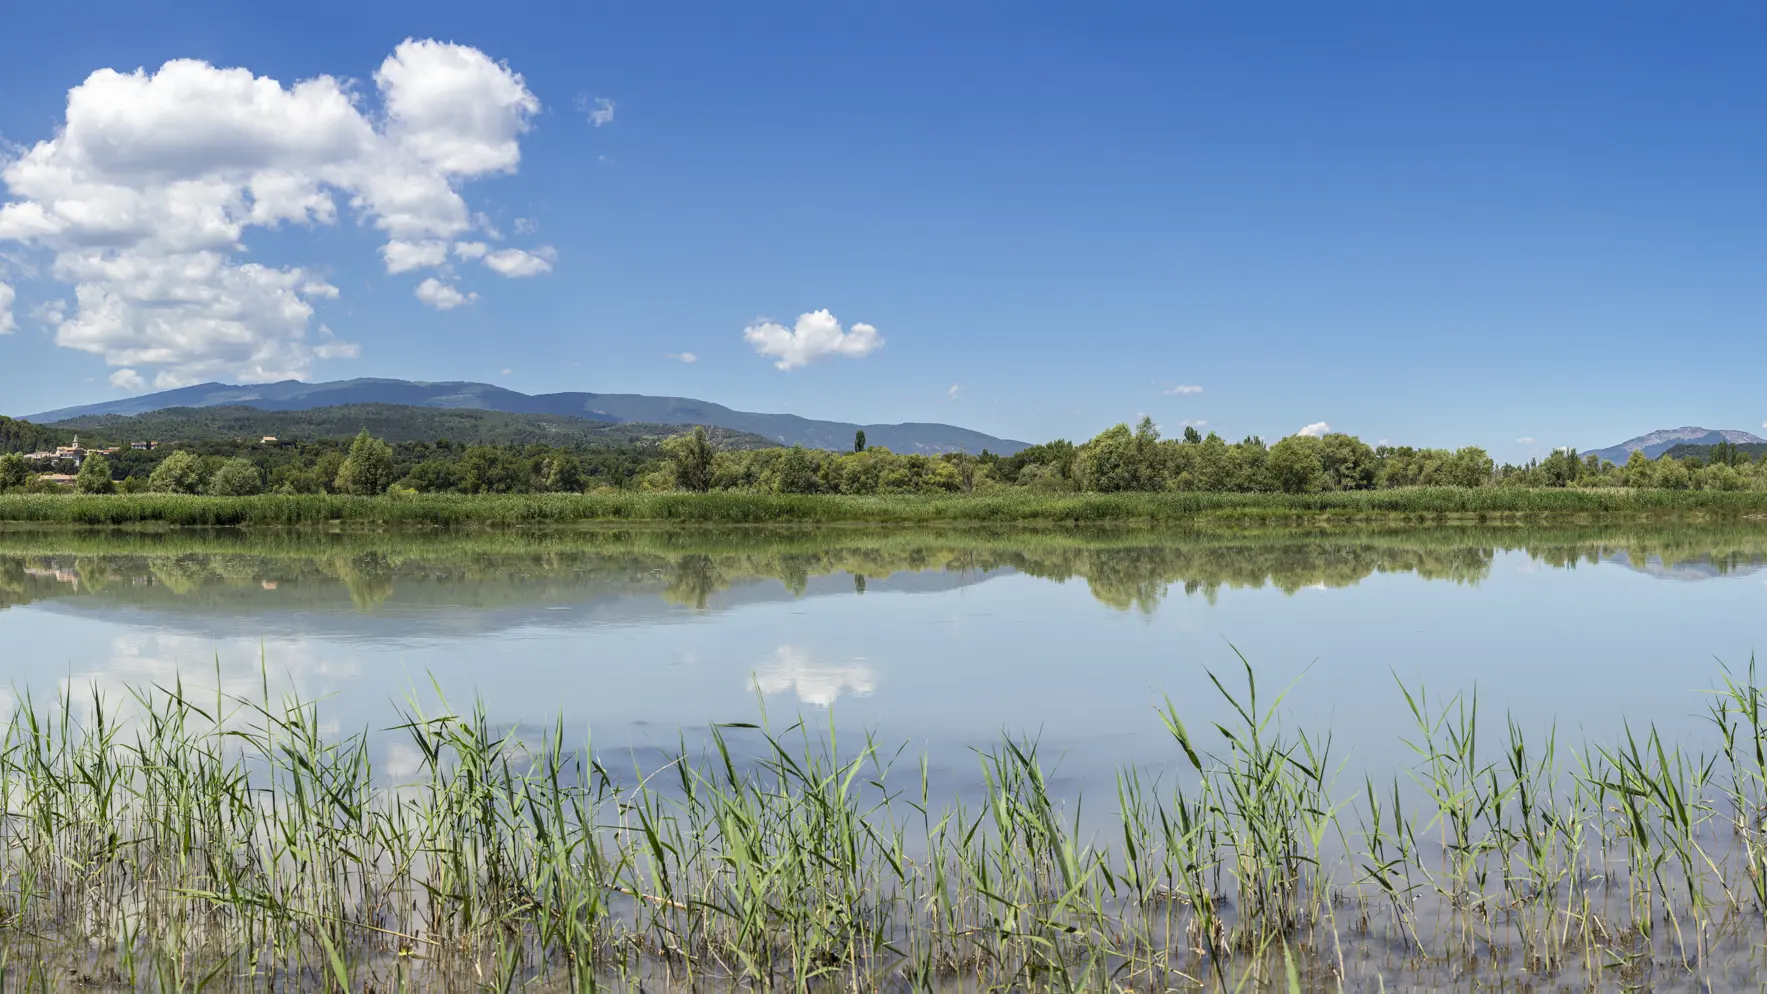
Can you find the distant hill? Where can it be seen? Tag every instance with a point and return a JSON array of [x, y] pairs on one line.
[[1704, 452], [785, 429], [393, 422], [1663, 439]]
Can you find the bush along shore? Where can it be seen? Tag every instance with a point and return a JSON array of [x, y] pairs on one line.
[[202, 841], [1420, 504]]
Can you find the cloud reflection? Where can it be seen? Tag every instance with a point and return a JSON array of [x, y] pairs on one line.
[[817, 684]]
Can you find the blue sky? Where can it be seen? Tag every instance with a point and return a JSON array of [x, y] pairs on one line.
[[1429, 226]]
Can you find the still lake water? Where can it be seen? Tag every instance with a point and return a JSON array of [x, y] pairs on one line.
[[937, 640]]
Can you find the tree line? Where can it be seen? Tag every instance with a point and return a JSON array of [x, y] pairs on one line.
[[1119, 459]]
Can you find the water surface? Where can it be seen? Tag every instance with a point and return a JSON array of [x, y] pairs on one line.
[[940, 640]]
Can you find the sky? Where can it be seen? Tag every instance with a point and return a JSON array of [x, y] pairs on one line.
[[1511, 225]]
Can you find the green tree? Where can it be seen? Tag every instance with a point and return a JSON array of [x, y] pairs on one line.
[[237, 478], [797, 472], [859, 440], [432, 476], [1295, 464], [94, 475], [13, 471], [691, 456], [1348, 462], [178, 473], [368, 469], [564, 473], [1191, 435]]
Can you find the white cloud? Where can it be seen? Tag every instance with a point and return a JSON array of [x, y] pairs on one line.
[[1197, 423], [127, 379], [526, 226], [956, 389], [687, 357], [402, 257], [471, 250], [442, 296], [600, 110], [503, 372], [1529, 440], [146, 193], [1184, 390], [516, 264], [817, 335], [50, 312], [330, 348], [1315, 430], [7, 296]]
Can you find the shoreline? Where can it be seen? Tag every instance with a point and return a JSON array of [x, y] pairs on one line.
[[1422, 505]]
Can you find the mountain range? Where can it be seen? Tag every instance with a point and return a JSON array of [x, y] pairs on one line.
[[392, 422], [786, 429], [1663, 439]]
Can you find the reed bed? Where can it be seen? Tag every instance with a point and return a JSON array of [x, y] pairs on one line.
[[1421, 503], [195, 841]]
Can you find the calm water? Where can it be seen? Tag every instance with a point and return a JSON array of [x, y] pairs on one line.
[[939, 640]]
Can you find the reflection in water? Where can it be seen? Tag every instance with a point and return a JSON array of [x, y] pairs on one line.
[[818, 684], [200, 667], [231, 573]]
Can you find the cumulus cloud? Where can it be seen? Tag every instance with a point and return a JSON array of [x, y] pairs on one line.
[[144, 198], [1530, 440], [517, 264], [687, 357], [127, 379], [817, 335], [1184, 390], [600, 110], [403, 257], [1317, 429], [7, 296], [1197, 423], [50, 312], [442, 296], [471, 250]]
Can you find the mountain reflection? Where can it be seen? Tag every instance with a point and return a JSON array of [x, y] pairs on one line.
[[509, 578]]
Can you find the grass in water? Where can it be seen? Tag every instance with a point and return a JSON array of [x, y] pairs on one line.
[[231, 843]]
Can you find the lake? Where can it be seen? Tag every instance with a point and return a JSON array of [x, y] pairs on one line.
[[447, 853], [937, 640]]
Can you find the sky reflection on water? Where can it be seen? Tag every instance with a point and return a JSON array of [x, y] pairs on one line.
[[943, 642]]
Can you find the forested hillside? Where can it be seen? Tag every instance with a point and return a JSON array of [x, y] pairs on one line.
[[393, 422]]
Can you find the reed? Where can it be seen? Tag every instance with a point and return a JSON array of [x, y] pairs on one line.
[[727, 507], [190, 840]]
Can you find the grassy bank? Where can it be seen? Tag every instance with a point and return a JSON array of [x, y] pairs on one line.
[[726, 508], [224, 843]]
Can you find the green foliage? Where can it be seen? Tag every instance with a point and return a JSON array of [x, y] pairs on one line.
[[94, 475], [368, 469], [393, 422], [179, 473], [691, 457], [23, 436], [564, 474], [237, 478], [13, 471], [859, 440], [1296, 466], [1191, 435]]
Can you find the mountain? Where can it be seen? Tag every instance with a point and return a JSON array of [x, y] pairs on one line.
[[393, 422], [1663, 439], [786, 429]]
